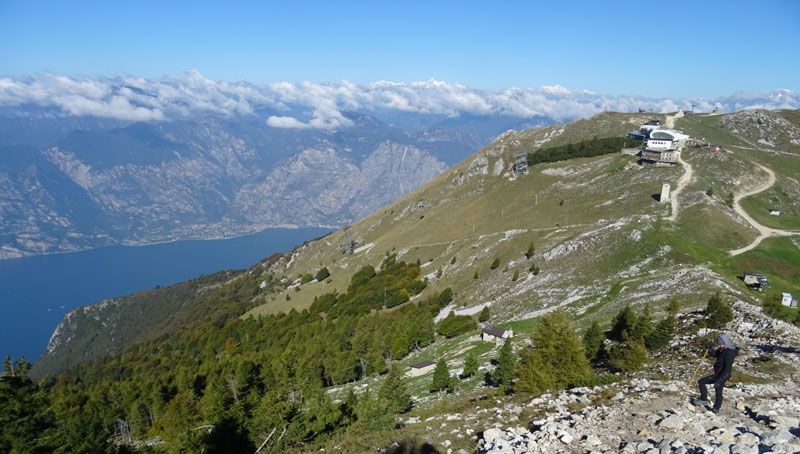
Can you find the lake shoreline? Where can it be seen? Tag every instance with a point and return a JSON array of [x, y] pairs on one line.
[[37, 292]]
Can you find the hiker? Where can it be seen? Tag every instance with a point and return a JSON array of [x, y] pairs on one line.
[[725, 352]]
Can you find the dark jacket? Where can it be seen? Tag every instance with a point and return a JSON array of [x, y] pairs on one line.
[[724, 362]]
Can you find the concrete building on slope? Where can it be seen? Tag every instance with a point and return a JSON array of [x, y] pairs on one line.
[[663, 147]]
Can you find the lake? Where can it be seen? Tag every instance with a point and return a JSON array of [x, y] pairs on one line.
[[36, 292]]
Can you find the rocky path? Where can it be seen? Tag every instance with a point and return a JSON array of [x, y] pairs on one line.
[[763, 232], [682, 183]]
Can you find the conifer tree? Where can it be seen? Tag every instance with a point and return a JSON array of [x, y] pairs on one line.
[[556, 359], [593, 341], [503, 373], [495, 263], [394, 392], [8, 366], [470, 365], [624, 324], [674, 306], [718, 312], [475, 276], [530, 251], [629, 355], [179, 422], [516, 276], [453, 261], [371, 416], [662, 334], [484, 315], [441, 377], [213, 403], [643, 327]]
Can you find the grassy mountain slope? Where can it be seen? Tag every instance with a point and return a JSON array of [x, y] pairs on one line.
[[599, 233]]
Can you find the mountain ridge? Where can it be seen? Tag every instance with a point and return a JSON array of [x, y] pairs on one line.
[[597, 250]]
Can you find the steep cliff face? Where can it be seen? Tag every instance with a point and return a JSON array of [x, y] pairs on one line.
[[209, 178]]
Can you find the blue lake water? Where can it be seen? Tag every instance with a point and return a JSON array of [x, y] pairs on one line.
[[36, 292]]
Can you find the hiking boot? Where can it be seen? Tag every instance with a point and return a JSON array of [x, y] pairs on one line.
[[699, 402], [715, 411]]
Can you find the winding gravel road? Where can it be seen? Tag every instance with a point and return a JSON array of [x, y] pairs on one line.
[[764, 232]]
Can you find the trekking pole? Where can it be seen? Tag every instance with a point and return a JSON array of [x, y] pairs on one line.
[[689, 383]]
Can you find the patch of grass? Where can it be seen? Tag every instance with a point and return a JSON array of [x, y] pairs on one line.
[[738, 376], [708, 126], [521, 327], [779, 258], [772, 367], [758, 207]]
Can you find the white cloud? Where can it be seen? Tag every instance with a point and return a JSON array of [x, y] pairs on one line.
[[191, 93], [286, 122]]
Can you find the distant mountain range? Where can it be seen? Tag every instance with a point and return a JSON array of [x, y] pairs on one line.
[[94, 162]]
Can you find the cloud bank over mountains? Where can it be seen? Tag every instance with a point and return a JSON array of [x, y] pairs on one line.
[[321, 105]]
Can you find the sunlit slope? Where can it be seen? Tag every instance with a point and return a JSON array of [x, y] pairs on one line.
[[598, 229]]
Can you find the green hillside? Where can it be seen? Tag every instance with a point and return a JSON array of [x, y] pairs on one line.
[[273, 348], [594, 222]]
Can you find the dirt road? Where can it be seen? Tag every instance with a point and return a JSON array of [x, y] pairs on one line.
[[763, 232], [684, 180]]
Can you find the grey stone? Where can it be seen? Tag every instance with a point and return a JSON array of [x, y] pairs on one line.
[[673, 422], [774, 438], [741, 448], [490, 435], [644, 446], [747, 438], [784, 422]]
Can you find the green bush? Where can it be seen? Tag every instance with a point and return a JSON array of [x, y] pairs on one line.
[[495, 264], [516, 276], [322, 274], [361, 277], [773, 307], [306, 278], [445, 297]]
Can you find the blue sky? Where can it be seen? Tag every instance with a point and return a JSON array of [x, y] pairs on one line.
[[663, 49]]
